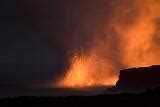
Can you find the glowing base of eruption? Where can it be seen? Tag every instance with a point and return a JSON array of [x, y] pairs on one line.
[[88, 71]]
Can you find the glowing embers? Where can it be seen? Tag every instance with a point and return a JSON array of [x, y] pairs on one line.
[[88, 71]]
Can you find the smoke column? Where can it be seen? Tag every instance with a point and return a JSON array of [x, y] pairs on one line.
[[129, 37], [138, 33]]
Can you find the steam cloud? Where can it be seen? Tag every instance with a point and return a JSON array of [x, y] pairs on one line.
[[128, 36]]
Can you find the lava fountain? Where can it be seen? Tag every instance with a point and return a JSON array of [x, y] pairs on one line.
[[130, 39], [88, 71]]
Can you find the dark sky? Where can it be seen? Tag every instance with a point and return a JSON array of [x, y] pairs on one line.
[[26, 55]]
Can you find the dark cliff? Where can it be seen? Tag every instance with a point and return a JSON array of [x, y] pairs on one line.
[[139, 79]]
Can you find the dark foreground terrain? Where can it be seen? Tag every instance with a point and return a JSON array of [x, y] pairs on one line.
[[144, 82], [151, 98]]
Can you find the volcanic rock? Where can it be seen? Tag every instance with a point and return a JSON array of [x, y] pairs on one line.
[[139, 79]]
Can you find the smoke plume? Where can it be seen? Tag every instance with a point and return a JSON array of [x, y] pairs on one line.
[[119, 34]]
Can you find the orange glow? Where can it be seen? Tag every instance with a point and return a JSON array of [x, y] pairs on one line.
[[136, 28], [88, 71], [138, 39]]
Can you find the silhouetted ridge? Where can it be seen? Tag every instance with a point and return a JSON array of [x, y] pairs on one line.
[[139, 79], [149, 98]]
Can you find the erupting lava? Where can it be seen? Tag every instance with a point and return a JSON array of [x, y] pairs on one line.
[[129, 38], [88, 71]]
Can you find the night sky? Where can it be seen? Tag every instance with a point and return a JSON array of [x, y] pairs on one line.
[[28, 57]]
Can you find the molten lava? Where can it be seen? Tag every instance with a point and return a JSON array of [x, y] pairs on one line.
[[88, 71]]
